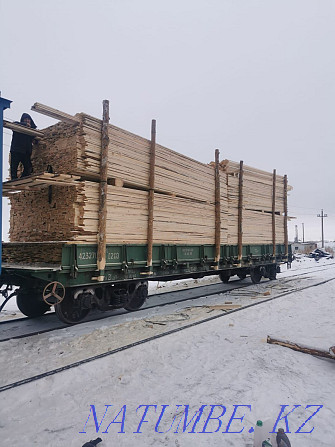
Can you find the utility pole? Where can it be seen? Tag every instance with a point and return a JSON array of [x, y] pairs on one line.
[[322, 216], [303, 232]]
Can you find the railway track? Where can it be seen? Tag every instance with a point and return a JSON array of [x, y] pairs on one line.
[[163, 333], [13, 329]]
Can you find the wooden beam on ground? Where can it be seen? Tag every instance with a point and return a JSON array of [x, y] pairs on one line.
[[54, 113], [151, 192], [240, 212], [274, 213], [101, 255], [225, 307], [301, 348], [22, 129]]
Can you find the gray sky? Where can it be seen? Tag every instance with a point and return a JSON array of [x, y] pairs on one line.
[[254, 78]]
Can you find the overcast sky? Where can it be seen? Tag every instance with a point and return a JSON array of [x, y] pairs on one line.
[[254, 78]]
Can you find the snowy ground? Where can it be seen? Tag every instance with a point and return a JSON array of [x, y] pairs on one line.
[[225, 362]]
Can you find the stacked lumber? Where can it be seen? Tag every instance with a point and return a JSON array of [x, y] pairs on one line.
[[32, 253], [183, 221], [184, 192], [128, 153], [72, 215], [75, 149], [257, 204], [43, 215], [58, 149], [232, 198], [127, 214], [224, 211]]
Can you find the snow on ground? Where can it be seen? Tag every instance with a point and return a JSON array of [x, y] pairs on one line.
[[225, 362]]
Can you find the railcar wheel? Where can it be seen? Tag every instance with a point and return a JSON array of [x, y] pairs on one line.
[[138, 297], [71, 310], [225, 276], [255, 275], [29, 305]]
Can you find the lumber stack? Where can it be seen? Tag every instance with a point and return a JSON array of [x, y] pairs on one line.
[[257, 204], [72, 215], [36, 218], [58, 149], [75, 149], [225, 235], [184, 192], [32, 253]]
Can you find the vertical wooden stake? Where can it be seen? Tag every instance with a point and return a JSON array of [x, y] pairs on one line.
[[240, 214], [285, 216], [274, 213], [217, 210], [101, 257], [151, 193]]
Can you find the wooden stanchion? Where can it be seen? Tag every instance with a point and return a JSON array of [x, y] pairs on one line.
[[240, 212], [217, 209], [151, 193], [274, 213], [285, 216], [101, 256]]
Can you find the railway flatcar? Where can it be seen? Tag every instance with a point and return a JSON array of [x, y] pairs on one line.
[[70, 284], [106, 211]]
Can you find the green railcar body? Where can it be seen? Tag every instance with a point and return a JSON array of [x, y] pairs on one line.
[[78, 264]]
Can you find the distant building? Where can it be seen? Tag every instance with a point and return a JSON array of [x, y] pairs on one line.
[[303, 247]]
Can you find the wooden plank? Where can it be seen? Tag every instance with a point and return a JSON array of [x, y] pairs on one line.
[[225, 307], [39, 180], [22, 129], [54, 113]]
